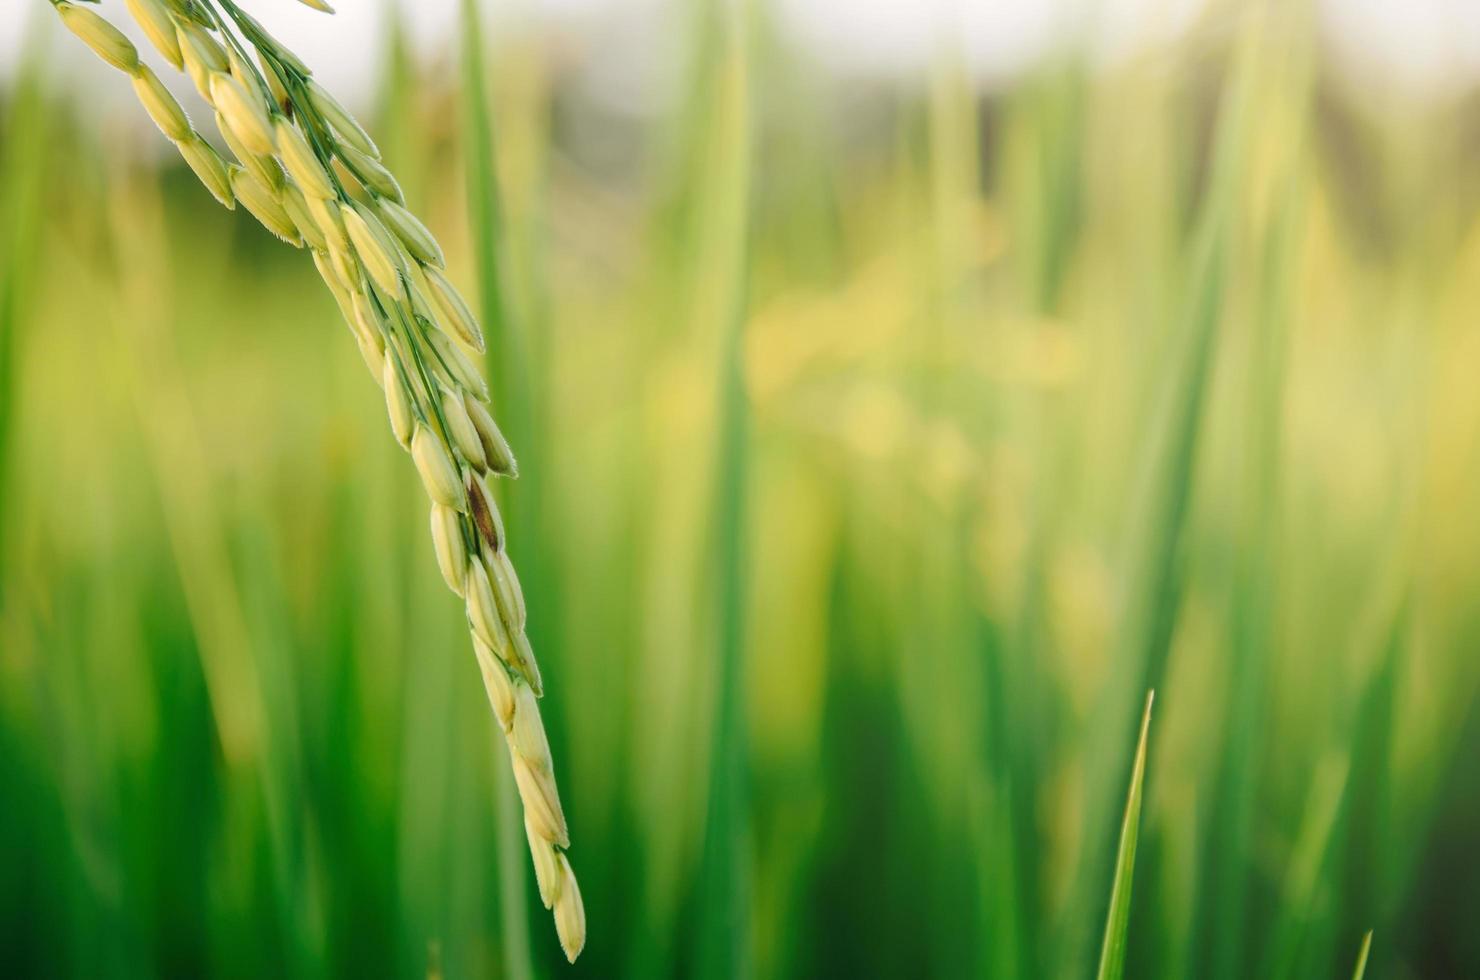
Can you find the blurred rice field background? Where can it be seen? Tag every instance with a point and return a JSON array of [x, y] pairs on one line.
[[882, 441]]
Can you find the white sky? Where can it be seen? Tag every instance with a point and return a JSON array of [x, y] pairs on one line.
[[1421, 46]]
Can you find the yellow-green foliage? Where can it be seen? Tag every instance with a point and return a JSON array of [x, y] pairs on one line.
[[938, 426]]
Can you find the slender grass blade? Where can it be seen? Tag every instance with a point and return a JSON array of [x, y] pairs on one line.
[[1117, 922], [1361, 968]]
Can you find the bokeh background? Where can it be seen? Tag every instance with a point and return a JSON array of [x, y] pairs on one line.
[[901, 390]]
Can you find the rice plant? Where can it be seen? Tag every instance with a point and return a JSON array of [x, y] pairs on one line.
[[885, 430], [311, 174]]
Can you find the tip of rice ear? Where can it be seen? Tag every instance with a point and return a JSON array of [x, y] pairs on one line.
[[570, 911]]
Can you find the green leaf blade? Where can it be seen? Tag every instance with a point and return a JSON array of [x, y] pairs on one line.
[[1117, 921]]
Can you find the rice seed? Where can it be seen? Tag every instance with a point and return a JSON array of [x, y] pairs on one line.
[[438, 473], [264, 168], [370, 172], [321, 5], [300, 161], [297, 207], [203, 57], [106, 40], [345, 125], [209, 167], [244, 75], [337, 290], [409, 229], [161, 105], [456, 312], [398, 405], [416, 297], [325, 214], [369, 340], [460, 430], [243, 114], [546, 867], [447, 539], [342, 258], [570, 911], [483, 609], [495, 447], [366, 324], [496, 682], [422, 290], [264, 205], [523, 654], [528, 736], [455, 367], [373, 246], [506, 589], [348, 182], [365, 320], [274, 84], [541, 801], [196, 44], [484, 511], [154, 19]]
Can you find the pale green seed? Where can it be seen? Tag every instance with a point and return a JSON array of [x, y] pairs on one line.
[[243, 113], [370, 172], [106, 40], [528, 737], [264, 205], [202, 56], [461, 431], [524, 656], [341, 119], [265, 168], [326, 215], [438, 474], [483, 610], [546, 868], [412, 232], [367, 323], [244, 74], [197, 44], [373, 245], [506, 589], [455, 311], [161, 105], [458, 369], [452, 552], [297, 207], [570, 911], [496, 682], [154, 20], [300, 161], [398, 404], [371, 348], [541, 802], [495, 446], [209, 167]]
